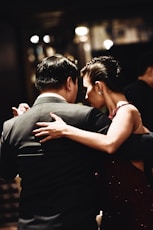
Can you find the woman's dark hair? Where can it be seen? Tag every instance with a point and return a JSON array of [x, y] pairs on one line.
[[52, 72], [106, 69]]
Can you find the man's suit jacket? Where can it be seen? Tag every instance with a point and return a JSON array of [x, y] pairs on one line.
[[58, 180]]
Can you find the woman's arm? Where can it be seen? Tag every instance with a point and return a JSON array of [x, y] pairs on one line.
[[119, 130]]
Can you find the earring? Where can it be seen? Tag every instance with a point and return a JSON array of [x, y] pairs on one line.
[[100, 93]]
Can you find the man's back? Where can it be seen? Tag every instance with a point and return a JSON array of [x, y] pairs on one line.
[[58, 178], [140, 94]]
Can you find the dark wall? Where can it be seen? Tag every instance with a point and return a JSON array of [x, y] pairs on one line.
[[12, 90]]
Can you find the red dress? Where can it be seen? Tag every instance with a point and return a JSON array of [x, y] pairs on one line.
[[126, 197], [126, 194]]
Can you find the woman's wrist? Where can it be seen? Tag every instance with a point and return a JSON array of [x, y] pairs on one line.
[[66, 132]]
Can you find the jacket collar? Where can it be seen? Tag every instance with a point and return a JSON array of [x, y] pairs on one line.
[[49, 99]]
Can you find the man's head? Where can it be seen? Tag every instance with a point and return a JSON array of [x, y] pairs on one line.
[[145, 61], [145, 68], [58, 74]]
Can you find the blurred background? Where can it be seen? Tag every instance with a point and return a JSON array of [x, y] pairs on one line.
[[31, 30]]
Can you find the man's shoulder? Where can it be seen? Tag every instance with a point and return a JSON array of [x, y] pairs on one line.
[[135, 89], [136, 84], [78, 107], [84, 116], [132, 84]]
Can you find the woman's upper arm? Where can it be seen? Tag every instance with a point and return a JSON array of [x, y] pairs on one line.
[[121, 127]]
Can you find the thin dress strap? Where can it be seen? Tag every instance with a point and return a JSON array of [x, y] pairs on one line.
[[112, 115]]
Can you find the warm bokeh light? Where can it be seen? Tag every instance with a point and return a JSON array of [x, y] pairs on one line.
[[46, 38], [81, 30], [34, 39], [108, 44]]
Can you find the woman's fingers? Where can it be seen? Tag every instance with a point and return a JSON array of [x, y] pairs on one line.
[[46, 139], [50, 130], [22, 108], [40, 132], [15, 111], [43, 124], [55, 117]]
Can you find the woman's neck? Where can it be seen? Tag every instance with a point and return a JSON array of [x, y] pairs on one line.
[[116, 101]]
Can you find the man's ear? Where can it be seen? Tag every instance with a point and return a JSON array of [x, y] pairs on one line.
[[69, 83]]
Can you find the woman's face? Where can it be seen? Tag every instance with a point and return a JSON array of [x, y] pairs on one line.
[[92, 93]]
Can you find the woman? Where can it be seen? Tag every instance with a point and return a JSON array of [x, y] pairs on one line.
[[126, 195]]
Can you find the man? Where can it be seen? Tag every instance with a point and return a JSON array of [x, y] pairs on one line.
[[58, 187], [140, 91]]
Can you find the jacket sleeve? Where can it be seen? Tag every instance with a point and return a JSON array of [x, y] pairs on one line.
[[98, 121], [138, 147], [7, 156]]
